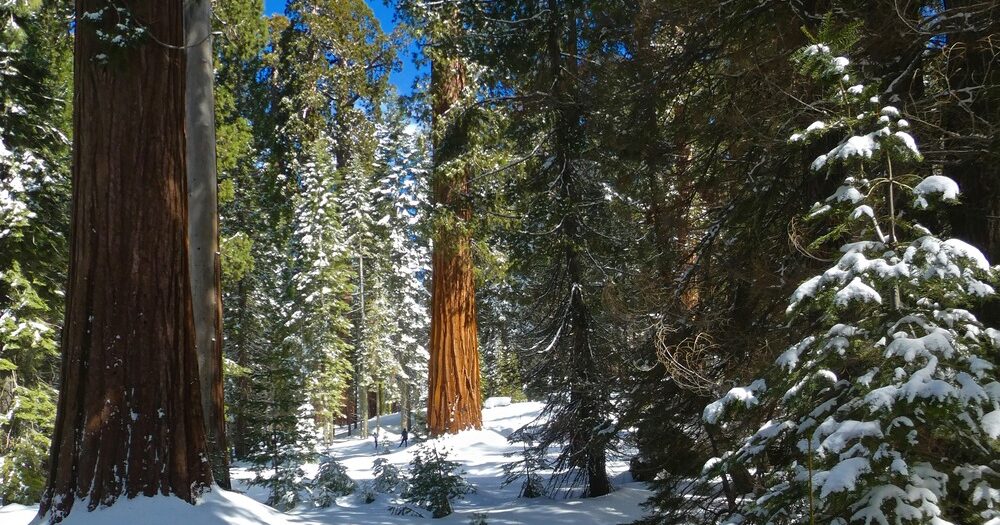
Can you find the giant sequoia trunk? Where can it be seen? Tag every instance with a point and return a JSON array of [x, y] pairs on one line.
[[453, 401], [203, 222], [129, 419]]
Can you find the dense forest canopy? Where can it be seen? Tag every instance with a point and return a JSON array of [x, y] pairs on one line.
[[739, 253]]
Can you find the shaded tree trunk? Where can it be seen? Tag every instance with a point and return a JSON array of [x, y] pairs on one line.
[[203, 234], [972, 115], [350, 404], [359, 367], [454, 400], [240, 425], [651, 150], [404, 405], [587, 447], [129, 419]]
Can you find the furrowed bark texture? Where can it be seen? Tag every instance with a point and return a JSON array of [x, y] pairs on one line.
[[203, 234], [129, 419], [453, 401]]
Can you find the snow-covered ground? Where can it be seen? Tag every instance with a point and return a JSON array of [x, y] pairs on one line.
[[481, 454], [218, 507]]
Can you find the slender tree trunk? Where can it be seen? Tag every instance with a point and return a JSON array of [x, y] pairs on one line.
[[378, 407], [241, 448], [454, 400], [351, 405], [129, 420], [651, 150], [363, 430], [203, 234], [587, 445], [360, 366], [404, 405]]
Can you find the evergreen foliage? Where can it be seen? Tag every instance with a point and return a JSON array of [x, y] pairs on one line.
[[629, 178], [331, 481], [527, 470], [401, 164], [434, 481], [289, 441], [885, 411], [35, 58], [388, 478], [320, 285], [567, 238]]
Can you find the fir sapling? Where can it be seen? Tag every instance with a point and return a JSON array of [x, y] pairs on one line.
[[888, 408], [331, 481], [278, 459], [527, 469], [435, 481], [387, 476], [367, 492]]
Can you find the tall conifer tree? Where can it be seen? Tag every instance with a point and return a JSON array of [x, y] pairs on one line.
[[453, 399], [129, 359]]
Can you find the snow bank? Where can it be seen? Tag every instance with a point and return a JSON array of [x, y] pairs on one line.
[[218, 507], [494, 402], [15, 514], [481, 453]]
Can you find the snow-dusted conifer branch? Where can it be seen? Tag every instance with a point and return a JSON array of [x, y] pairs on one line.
[[888, 410]]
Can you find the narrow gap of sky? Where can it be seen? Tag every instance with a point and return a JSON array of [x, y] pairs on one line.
[[403, 79]]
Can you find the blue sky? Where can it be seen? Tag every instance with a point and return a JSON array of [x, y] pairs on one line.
[[403, 80]]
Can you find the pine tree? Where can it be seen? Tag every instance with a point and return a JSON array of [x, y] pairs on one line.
[[289, 440], [306, 79], [570, 345], [887, 410], [358, 215], [331, 480], [402, 165], [500, 332], [35, 58], [335, 60], [435, 481], [320, 286], [255, 213]]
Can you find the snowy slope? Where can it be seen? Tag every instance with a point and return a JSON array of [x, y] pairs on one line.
[[218, 507], [480, 452]]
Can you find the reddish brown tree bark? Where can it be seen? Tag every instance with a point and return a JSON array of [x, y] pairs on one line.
[[129, 420], [454, 400]]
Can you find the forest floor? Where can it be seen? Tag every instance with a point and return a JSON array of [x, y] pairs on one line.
[[481, 454]]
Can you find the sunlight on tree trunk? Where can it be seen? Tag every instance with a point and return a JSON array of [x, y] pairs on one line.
[[453, 400], [129, 419]]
